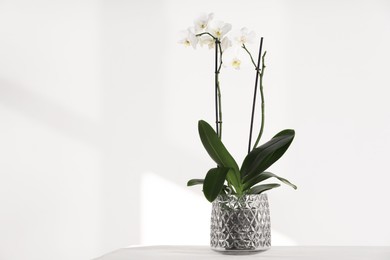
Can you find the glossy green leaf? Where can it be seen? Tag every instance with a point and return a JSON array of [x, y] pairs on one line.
[[262, 157], [219, 153], [213, 183], [193, 182], [261, 188], [264, 176]]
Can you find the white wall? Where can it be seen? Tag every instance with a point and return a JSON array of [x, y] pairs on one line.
[[99, 107]]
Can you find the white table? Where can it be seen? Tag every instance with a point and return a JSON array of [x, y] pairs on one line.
[[275, 253]]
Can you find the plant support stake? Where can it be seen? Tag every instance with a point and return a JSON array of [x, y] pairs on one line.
[[216, 88], [254, 96]]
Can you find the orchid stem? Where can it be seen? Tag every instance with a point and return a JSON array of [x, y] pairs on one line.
[[218, 43], [217, 93], [262, 101], [218, 104], [209, 34]]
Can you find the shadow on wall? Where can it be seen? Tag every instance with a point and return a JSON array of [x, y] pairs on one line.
[[51, 114], [107, 197]]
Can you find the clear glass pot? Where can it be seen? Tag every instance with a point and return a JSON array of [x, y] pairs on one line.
[[240, 224]]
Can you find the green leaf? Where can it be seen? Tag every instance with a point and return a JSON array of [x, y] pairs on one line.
[[262, 157], [219, 153], [263, 187], [193, 182], [262, 177], [213, 183]]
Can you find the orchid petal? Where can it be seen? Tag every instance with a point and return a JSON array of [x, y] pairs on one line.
[[202, 22], [188, 38], [219, 29], [245, 36]]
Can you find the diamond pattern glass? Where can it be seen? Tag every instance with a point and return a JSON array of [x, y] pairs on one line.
[[240, 224]]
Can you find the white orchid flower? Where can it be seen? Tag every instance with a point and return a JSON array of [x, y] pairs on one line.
[[225, 43], [236, 63], [245, 36], [219, 29], [210, 42], [188, 38], [233, 57], [206, 39], [202, 22]]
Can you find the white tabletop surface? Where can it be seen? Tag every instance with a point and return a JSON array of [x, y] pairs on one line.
[[275, 253]]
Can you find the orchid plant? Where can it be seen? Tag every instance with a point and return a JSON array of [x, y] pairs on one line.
[[227, 177]]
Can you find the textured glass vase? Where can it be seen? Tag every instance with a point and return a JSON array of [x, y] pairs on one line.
[[240, 224]]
